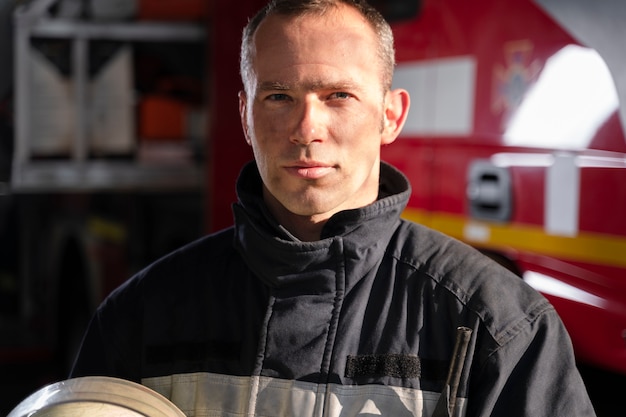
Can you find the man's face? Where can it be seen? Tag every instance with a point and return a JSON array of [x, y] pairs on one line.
[[314, 112]]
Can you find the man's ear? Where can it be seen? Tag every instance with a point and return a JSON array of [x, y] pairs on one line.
[[243, 114], [397, 105]]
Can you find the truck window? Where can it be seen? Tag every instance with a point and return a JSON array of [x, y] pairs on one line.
[[395, 10]]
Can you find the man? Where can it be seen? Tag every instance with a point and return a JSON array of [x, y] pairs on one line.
[[321, 301]]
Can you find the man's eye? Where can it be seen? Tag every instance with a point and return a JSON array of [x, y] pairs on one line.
[[340, 95], [278, 97]]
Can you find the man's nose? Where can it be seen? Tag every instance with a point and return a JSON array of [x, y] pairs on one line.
[[309, 123]]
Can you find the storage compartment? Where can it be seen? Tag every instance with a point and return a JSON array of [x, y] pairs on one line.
[[108, 110]]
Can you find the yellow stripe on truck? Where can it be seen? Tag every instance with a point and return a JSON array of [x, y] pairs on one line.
[[587, 247]]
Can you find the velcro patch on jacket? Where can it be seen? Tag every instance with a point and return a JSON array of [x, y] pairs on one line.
[[394, 365]]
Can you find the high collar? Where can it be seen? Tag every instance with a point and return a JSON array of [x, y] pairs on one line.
[[352, 241]]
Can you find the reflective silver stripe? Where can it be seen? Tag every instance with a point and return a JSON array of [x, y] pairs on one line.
[[442, 95], [562, 196], [205, 394]]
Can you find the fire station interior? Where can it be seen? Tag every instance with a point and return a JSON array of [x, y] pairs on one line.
[[112, 154]]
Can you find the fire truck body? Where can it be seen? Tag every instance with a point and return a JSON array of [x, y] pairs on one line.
[[515, 145]]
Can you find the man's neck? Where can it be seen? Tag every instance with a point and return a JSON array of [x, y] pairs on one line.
[[305, 228]]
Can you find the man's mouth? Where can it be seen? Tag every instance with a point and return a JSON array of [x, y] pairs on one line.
[[310, 170]]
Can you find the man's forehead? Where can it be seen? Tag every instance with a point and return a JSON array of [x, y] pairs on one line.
[[340, 44]]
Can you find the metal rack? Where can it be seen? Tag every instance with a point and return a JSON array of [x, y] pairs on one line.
[[78, 171]]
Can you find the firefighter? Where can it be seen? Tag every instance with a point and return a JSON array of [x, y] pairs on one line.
[[321, 300]]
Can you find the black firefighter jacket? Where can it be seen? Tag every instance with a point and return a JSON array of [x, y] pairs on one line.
[[252, 322]]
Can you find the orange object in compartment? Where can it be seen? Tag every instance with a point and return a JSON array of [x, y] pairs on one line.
[[162, 118]]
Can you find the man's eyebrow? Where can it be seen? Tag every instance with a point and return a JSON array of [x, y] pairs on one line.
[[311, 86], [334, 86], [273, 85]]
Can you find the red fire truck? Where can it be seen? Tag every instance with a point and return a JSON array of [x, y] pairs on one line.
[[515, 144]]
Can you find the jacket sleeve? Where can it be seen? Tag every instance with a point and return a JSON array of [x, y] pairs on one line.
[[111, 345], [531, 374]]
